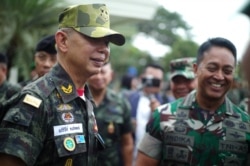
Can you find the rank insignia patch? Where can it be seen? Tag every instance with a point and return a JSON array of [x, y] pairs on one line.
[[67, 90], [31, 100]]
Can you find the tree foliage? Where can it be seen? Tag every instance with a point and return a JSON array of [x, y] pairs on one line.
[[165, 27], [23, 24], [124, 57], [180, 49], [170, 30]]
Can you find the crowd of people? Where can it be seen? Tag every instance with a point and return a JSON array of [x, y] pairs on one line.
[[68, 114]]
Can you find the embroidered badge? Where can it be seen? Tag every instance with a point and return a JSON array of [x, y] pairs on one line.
[[104, 15], [69, 144], [64, 107], [232, 146], [67, 90], [68, 117], [80, 139], [68, 129], [31, 100]]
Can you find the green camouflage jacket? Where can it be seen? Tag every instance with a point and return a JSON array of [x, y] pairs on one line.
[[181, 133], [113, 120], [7, 90], [49, 124]]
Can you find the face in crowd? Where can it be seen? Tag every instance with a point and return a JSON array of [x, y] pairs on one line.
[[214, 69], [100, 81], [44, 62], [181, 86], [154, 76]]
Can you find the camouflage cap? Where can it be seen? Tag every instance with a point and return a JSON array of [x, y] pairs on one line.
[[91, 20], [182, 67]]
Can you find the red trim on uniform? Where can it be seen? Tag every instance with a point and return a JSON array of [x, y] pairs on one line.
[[80, 92]]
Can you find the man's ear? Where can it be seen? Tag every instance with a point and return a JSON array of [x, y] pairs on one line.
[[61, 41], [195, 68]]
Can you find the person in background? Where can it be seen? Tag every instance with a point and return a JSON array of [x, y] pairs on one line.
[[113, 118], [128, 84], [205, 127], [51, 121], [246, 59], [7, 89], [44, 58], [144, 98], [182, 78], [236, 94]]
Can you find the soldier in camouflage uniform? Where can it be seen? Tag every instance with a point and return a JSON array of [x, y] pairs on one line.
[[182, 76], [51, 122], [44, 58], [113, 120], [205, 128], [7, 89]]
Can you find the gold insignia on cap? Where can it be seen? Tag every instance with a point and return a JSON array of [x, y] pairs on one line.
[[67, 90], [111, 128], [69, 144], [31, 100], [104, 15]]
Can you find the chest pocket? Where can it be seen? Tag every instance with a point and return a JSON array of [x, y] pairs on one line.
[[21, 115], [70, 144], [110, 125]]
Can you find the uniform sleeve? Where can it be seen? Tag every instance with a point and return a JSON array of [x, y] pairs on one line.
[[127, 126], [23, 128], [151, 143]]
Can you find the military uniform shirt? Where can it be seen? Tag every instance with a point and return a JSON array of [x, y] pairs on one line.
[[7, 90], [113, 120], [48, 124], [181, 133]]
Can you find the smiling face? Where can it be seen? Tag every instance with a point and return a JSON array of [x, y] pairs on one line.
[[100, 81], [82, 55], [215, 74], [181, 86]]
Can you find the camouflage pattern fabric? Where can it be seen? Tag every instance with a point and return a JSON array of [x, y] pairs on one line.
[[7, 90], [91, 20], [244, 104], [182, 67], [113, 120], [189, 136], [49, 124]]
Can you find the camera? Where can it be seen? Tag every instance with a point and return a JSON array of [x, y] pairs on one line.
[[151, 82]]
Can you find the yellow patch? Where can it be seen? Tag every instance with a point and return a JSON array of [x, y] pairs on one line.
[[69, 162], [31, 100], [67, 90]]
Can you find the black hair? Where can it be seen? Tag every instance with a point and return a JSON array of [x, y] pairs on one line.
[[126, 81], [218, 41], [154, 65], [3, 58]]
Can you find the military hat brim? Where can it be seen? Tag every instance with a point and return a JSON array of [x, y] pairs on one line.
[[186, 74], [98, 32]]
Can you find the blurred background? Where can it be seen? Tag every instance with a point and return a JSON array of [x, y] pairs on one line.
[[156, 30]]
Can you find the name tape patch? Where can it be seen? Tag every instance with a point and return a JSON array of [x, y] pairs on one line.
[[68, 129]]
